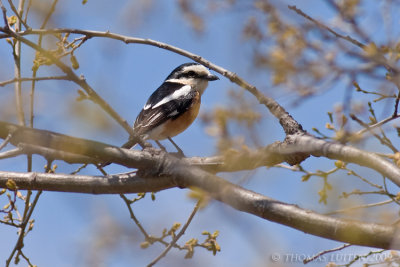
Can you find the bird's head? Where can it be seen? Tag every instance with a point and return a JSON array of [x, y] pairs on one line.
[[193, 74]]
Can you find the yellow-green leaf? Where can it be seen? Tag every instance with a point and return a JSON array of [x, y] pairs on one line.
[[12, 20], [10, 184]]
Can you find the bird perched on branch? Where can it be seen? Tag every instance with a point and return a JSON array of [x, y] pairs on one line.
[[173, 107]]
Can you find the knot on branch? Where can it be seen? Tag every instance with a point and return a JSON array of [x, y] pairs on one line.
[[286, 151], [290, 125], [295, 157]]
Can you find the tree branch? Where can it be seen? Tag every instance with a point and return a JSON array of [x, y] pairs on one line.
[[73, 77], [34, 79], [354, 232], [52, 145], [176, 172], [289, 125], [318, 148], [58, 146], [179, 235]]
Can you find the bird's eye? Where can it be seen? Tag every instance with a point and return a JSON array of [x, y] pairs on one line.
[[191, 73]]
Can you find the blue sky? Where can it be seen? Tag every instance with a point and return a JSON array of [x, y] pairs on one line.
[[125, 75]]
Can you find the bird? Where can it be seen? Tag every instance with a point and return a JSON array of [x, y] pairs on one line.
[[173, 106]]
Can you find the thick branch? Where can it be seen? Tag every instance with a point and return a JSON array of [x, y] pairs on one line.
[[354, 232], [53, 145], [176, 172], [322, 148], [58, 146], [114, 184]]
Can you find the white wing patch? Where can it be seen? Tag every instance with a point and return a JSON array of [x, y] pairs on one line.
[[147, 106], [185, 90], [173, 113]]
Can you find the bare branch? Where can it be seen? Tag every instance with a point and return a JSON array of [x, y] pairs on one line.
[[316, 256], [17, 63], [49, 14], [75, 150], [19, 12], [133, 217], [360, 207], [177, 172], [27, 215], [319, 24], [73, 77], [289, 125], [378, 124], [318, 148], [5, 142], [383, 140], [11, 153], [176, 238], [112, 184], [355, 232], [270, 155], [34, 79]]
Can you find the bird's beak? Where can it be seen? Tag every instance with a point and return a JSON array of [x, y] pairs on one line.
[[212, 77]]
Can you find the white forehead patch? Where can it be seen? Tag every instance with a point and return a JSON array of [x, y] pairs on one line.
[[200, 69], [185, 90]]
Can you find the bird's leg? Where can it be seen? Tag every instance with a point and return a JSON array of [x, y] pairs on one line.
[[180, 152]]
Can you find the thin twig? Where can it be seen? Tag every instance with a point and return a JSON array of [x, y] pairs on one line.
[[81, 81], [316, 256], [49, 14], [17, 64], [383, 140], [11, 153], [181, 232], [378, 124], [351, 172], [4, 11], [19, 12], [5, 142], [62, 77], [34, 72], [133, 217], [378, 58], [396, 105], [392, 196], [27, 215], [27, 10], [361, 207], [319, 24], [26, 258]]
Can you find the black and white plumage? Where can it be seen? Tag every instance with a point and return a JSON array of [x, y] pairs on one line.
[[175, 104]]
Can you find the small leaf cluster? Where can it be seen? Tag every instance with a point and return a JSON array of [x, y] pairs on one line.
[[63, 48], [210, 243]]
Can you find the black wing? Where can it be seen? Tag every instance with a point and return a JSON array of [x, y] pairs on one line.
[[164, 90], [150, 117]]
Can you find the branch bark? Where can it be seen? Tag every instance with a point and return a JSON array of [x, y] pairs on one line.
[[354, 232], [159, 170]]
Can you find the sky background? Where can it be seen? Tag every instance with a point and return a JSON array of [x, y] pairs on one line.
[[66, 225]]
